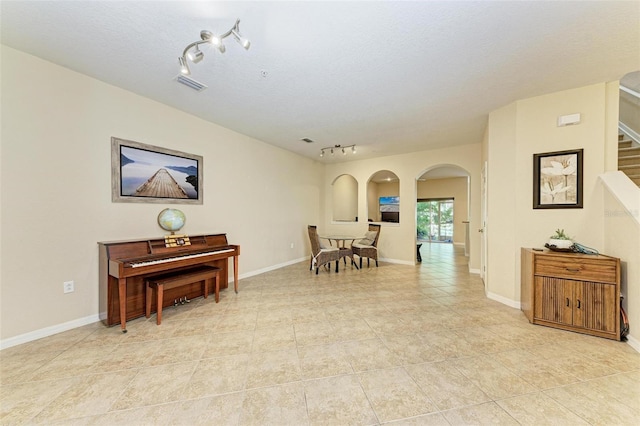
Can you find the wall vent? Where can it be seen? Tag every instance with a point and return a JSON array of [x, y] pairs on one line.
[[307, 140], [189, 82]]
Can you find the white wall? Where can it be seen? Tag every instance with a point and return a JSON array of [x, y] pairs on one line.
[[518, 131], [397, 241], [56, 197]]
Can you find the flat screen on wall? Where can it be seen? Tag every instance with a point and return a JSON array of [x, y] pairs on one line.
[[150, 174]]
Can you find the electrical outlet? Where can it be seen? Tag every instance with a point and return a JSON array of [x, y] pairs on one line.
[[68, 286], [291, 245]]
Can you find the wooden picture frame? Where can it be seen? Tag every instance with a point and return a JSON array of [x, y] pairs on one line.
[[142, 173], [557, 180]]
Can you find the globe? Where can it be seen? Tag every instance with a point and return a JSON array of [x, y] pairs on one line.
[[171, 220]]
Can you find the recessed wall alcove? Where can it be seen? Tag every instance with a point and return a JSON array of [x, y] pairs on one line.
[[345, 199], [383, 197]]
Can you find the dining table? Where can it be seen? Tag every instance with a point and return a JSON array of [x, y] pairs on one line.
[[341, 245]]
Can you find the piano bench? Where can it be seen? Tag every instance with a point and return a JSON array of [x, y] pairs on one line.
[[167, 281]]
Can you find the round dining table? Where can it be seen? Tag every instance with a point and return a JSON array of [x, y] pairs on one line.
[[341, 245]]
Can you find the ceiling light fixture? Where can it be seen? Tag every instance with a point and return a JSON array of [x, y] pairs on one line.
[[337, 147], [208, 37]]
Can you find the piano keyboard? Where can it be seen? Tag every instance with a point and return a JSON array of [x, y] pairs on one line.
[[173, 259]]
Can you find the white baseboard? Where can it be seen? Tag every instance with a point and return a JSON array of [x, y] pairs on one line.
[[474, 271], [269, 268], [47, 331], [633, 342], [503, 300]]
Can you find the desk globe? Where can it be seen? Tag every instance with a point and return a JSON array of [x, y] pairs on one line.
[[171, 220]]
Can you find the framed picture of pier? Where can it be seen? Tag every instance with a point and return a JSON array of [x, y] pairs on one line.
[[142, 173], [557, 180]]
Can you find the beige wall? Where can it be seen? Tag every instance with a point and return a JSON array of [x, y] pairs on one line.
[[56, 197], [397, 241], [515, 133], [455, 188]]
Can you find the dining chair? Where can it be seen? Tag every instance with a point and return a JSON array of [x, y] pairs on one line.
[[319, 255], [368, 246]]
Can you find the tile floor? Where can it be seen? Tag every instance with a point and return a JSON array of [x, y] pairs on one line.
[[396, 344]]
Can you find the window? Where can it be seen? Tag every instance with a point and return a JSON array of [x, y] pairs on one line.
[[435, 220]]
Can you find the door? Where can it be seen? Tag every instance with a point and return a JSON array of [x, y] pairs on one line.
[[554, 300], [483, 229], [594, 306]]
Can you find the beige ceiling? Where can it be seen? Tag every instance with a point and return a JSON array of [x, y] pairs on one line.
[[391, 77]]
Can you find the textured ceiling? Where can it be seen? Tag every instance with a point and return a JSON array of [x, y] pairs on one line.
[[391, 77]]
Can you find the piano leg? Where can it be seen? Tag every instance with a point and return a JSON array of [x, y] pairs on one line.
[[235, 273], [122, 295]]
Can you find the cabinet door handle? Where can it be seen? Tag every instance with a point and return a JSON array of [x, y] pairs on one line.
[[573, 269], [567, 301], [578, 303]]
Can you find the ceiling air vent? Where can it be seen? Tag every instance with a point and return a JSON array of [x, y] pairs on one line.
[[189, 82], [307, 140]]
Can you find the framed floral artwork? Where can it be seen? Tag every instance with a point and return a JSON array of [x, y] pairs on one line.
[[557, 180]]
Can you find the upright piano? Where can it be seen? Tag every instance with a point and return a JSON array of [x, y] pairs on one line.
[[124, 265]]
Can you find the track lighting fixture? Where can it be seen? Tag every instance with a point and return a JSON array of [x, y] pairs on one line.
[[208, 37], [337, 147]]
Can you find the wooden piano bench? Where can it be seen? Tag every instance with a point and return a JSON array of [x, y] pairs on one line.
[[167, 281]]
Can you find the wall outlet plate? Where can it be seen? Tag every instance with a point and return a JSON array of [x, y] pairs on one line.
[[68, 286]]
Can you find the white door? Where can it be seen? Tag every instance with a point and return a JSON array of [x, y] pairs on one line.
[[483, 229]]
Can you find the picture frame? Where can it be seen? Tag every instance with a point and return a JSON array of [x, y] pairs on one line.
[[557, 180], [142, 173]]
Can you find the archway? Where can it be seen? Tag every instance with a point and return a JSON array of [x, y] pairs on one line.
[[442, 206]]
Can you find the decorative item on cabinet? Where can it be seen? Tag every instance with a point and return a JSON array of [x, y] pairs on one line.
[[571, 291]]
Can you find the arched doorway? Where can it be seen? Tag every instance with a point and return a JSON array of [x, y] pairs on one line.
[[442, 207]]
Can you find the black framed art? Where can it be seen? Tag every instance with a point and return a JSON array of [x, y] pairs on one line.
[[557, 180]]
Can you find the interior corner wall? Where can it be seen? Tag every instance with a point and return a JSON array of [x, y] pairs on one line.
[[622, 240], [55, 199], [518, 131], [501, 223]]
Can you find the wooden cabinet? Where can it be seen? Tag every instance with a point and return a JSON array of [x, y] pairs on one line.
[[572, 291]]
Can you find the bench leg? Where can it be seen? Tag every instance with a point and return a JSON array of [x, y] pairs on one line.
[[160, 295], [147, 300], [216, 279], [206, 287]]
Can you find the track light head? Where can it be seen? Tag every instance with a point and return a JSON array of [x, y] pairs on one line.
[[213, 39], [235, 31], [184, 68], [195, 56]]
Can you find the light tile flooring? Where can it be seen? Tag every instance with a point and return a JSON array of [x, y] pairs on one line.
[[395, 344]]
